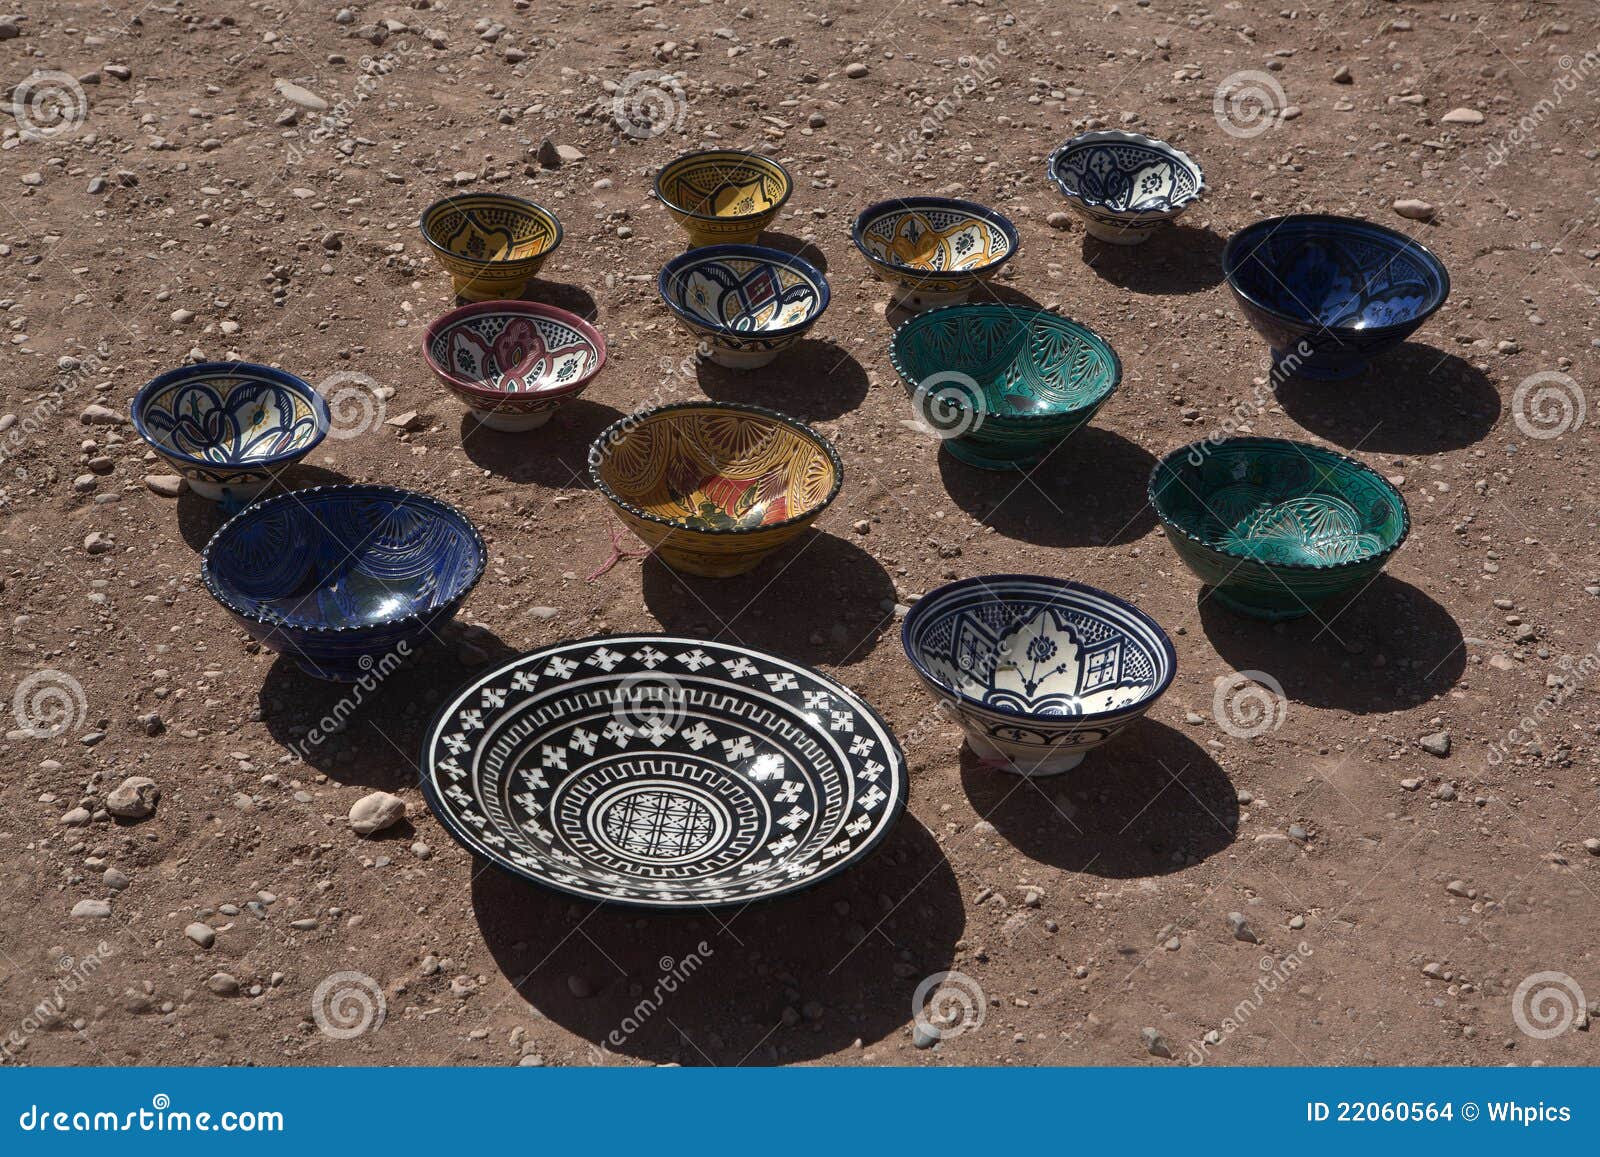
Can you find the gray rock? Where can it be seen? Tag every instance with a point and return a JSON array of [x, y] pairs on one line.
[[373, 813], [223, 984], [134, 798], [1241, 928], [95, 414], [116, 879], [1415, 210], [1154, 1043], [202, 934], [1462, 116], [303, 97], [77, 817], [92, 910], [1437, 743]]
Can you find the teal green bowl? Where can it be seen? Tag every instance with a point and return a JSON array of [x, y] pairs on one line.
[[1002, 385], [1277, 528]]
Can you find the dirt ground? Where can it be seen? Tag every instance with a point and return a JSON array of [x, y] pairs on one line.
[[171, 202]]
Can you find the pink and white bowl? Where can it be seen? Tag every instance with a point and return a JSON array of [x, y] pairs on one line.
[[513, 363]]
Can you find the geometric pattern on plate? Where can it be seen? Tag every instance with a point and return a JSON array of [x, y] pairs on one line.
[[935, 239]]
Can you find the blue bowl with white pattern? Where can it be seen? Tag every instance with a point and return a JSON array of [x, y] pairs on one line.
[[344, 580], [1331, 293], [1038, 671], [1124, 185], [745, 303], [230, 427]]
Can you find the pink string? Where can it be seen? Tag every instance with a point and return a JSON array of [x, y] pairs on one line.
[[617, 553]]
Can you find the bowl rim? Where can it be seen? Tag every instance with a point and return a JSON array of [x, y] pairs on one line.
[[892, 815], [1031, 312], [1231, 257], [350, 489], [918, 201], [526, 309], [1305, 448], [600, 446], [1118, 136], [141, 401], [698, 154], [1067, 586], [689, 257], [489, 195]]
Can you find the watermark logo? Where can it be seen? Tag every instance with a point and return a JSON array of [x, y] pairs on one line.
[[1547, 1004], [49, 104], [648, 706], [1548, 404], [649, 103], [1248, 103], [1248, 704], [49, 703], [355, 404], [347, 1005], [1275, 973], [949, 404], [948, 1004]]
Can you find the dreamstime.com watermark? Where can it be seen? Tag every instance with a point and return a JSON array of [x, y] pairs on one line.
[[1575, 75], [339, 118], [75, 974], [1547, 1004], [48, 703], [976, 72], [1247, 409], [674, 974], [1248, 103], [1579, 671], [648, 103], [1275, 973], [374, 672], [1248, 704], [160, 1117], [49, 104], [75, 373], [355, 404], [948, 1004], [948, 404], [347, 1005], [1548, 404]]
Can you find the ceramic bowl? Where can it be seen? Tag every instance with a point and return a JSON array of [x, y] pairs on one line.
[[1124, 185], [490, 243], [745, 303], [723, 196], [713, 487], [344, 579], [933, 251], [1002, 385], [1277, 528], [1038, 671], [230, 427], [666, 773], [1330, 293], [513, 363]]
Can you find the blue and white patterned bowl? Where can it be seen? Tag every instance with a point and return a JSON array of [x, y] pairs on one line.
[[744, 302], [1038, 671], [1123, 185], [933, 251], [229, 427], [1330, 293], [343, 579]]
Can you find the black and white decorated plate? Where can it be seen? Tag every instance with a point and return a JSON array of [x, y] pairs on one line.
[[663, 772]]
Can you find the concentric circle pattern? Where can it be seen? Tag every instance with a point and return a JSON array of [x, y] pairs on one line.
[[742, 776]]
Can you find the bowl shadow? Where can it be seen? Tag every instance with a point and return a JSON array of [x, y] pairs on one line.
[[811, 380], [572, 298], [200, 518], [371, 733], [748, 989], [797, 246], [1177, 259], [555, 455], [1412, 400], [777, 607], [1148, 803], [1389, 648], [1089, 492]]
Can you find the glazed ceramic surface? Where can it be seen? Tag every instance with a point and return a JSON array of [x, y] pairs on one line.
[[490, 243], [663, 772], [229, 427], [1123, 185], [338, 578], [1038, 670], [513, 362], [723, 195], [713, 488], [746, 303], [1277, 528], [1003, 385], [1330, 293], [933, 250]]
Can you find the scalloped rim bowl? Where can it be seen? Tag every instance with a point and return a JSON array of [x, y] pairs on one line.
[[495, 278], [1113, 223], [521, 409], [242, 474], [925, 287], [754, 288]]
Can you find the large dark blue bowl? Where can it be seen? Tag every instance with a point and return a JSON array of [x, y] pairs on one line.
[[1330, 293], [343, 579]]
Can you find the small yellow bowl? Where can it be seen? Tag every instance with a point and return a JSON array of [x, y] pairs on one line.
[[715, 487], [723, 196], [491, 243]]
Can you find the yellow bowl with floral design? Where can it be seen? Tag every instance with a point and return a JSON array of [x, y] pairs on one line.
[[723, 196]]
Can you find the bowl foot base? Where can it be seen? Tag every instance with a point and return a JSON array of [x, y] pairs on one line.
[[476, 289], [512, 423], [1267, 613], [341, 671], [1115, 235], [738, 360], [1026, 766], [234, 497], [922, 300], [974, 458], [1287, 364]]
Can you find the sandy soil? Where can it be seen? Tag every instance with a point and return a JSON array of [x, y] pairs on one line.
[[183, 206]]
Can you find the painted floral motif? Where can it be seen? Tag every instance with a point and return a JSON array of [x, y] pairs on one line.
[[231, 420], [746, 295], [1125, 175], [515, 353], [935, 240]]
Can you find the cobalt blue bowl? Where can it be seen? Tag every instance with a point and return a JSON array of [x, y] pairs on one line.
[[1330, 293], [344, 579], [746, 303]]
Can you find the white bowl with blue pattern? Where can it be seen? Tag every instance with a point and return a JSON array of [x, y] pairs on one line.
[[1038, 671], [746, 303], [1124, 185]]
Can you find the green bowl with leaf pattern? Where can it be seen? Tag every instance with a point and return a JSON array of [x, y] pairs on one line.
[[1277, 528], [1002, 385]]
